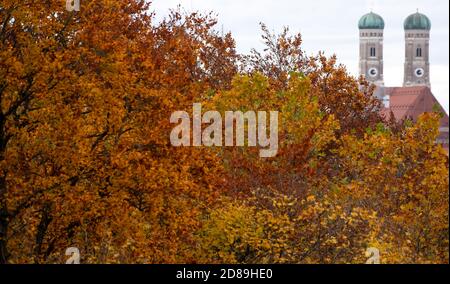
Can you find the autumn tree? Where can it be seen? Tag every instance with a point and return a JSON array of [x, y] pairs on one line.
[[350, 101], [388, 189], [85, 156], [295, 218], [404, 178], [321, 108]]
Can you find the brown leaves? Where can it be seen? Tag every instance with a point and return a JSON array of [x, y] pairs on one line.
[[85, 159]]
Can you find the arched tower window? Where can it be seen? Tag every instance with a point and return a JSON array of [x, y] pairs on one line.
[[419, 52], [373, 52]]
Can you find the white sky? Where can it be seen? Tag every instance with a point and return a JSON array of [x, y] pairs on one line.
[[332, 26]]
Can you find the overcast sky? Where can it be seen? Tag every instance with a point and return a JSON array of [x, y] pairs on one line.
[[332, 26]]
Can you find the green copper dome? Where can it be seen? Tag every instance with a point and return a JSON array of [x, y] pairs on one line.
[[417, 21], [371, 21]]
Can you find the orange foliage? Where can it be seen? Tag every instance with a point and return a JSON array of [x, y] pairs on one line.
[[86, 161]]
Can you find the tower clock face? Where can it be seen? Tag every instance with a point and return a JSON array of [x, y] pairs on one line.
[[419, 72], [373, 72]]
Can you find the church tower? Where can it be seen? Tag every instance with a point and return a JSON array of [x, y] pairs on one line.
[[417, 46], [371, 27]]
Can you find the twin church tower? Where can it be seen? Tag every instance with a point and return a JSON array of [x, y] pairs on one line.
[[415, 96], [417, 37]]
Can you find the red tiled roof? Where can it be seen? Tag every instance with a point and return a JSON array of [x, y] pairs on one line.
[[412, 102]]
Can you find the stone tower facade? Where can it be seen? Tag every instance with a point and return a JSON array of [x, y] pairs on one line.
[[417, 51], [415, 97], [371, 28]]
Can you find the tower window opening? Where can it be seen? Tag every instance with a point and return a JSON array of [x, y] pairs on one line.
[[419, 52], [373, 52]]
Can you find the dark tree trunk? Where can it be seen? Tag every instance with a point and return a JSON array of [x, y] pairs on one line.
[[46, 219], [4, 214]]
